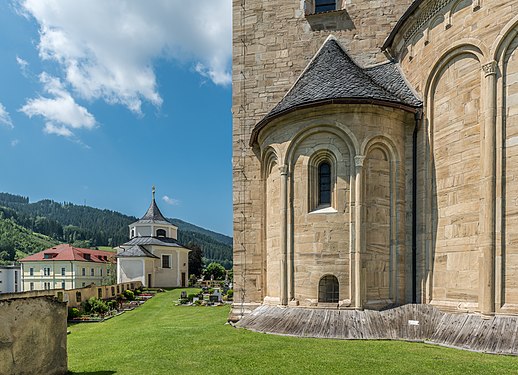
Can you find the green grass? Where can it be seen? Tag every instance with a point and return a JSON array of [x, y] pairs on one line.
[[160, 338]]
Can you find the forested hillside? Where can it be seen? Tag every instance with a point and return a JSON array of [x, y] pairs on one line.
[[86, 226]]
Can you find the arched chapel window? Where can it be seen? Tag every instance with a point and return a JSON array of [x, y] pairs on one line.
[[328, 289], [324, 184], [324, 5], [160, 232]]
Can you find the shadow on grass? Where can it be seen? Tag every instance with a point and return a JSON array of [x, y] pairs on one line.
[[109, 372]]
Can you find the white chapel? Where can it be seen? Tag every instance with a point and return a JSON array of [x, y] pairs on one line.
[[153, 254]]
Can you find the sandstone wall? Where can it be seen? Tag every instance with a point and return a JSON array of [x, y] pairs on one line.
[[33, 336], [460, 57], [273, 42], [325, 241]]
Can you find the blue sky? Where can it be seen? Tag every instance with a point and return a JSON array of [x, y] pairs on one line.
[[100, 100]]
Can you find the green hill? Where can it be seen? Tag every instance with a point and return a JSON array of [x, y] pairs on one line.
[[87, 226]]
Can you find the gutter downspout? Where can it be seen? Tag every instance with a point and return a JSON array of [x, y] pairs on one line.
[[418, 116]]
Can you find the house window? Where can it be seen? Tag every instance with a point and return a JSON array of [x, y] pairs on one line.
[[166, 261], [46, 285], [62, 285], [31, 286], [83, 272], [92, 272], [132, 233], [87, 256], [324, 184], [78, 296], [83, 284], [100, 271], [324, 5], [46, 271], [108, 271], [31, 271], [160, 232], [328, 289], [113, 291], [63, 270], [99, 293]]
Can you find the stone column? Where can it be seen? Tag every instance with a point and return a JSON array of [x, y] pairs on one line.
[[284, 234], [487, 209], [358, 229]]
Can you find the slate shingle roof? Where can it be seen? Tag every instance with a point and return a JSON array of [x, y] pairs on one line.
[[136, 251], [153, 215], [160, 241], [333, 77]]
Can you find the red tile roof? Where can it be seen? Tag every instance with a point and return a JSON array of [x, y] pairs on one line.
[[68, 252]]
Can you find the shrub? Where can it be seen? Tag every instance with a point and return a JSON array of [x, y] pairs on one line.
[[95, 306], [73, 312], [130, 296], [112, 304], [191, 296], [230, 294]]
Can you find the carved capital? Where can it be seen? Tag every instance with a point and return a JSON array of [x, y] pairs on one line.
[[283, 169], [358, 160], [489, 68]]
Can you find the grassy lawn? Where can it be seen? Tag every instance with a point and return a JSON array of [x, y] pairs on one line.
[[160, 338]]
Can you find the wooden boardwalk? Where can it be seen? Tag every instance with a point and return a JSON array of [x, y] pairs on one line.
[[497, 334]]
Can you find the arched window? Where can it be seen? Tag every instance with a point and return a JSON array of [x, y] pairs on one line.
[[324, 5], [328, 289], [132, 233], [324, 184], [160, 232]]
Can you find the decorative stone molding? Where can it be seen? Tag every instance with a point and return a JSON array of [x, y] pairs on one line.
[[283, 169], [489, 68], [426, 15], [358, 160]]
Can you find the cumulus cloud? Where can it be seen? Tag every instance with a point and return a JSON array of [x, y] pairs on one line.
[[171, 201], [107, 48], [5, 119], [60, 111]]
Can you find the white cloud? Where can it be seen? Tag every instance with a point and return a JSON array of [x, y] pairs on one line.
[[5, 119], [171, 201], [107, 48], [22, 63], [61, 111], [15, 142]]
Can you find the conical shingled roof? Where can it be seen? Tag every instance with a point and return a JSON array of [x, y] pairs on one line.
[[153, 215], [333, 77]]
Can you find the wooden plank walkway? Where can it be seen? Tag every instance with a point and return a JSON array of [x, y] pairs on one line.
[[412, 322]]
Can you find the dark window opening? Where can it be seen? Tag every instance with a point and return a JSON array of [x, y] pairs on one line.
[[328, 289], [160, 232], [166, 263], [324, 184], [87, 256], [324, 5], [78, 296]]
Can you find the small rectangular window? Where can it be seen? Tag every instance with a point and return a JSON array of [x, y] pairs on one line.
[[100, 271], [324, 5], [78, 296], [31, 286], [99, 293], [62, 285], [166, 261], [83, 272], [31, 271], [63, 271], [92, 272]]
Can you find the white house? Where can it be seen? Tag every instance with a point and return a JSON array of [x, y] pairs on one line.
[[67, 267], [10, 278]]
